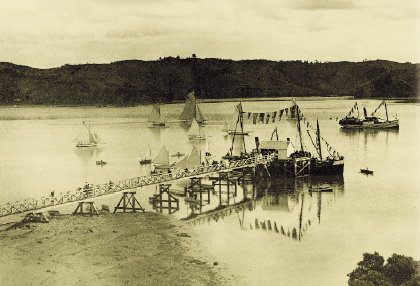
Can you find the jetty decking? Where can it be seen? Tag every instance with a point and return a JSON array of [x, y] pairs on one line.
[[89, 192]]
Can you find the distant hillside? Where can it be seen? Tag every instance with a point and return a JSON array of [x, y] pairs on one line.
[[135, 82]]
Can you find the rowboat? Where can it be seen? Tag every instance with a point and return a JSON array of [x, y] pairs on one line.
[[366, 171], [321, 189]]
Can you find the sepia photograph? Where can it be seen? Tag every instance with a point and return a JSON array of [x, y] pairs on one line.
[[198, 142]]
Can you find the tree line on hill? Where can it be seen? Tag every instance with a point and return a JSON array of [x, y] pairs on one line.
[[170, 79]]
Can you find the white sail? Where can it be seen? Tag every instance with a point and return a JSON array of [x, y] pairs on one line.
[[148, 155], [191, 161], [199, 115], [87, 139], [162, 159], [195, 131], [155, 116], [189, 109], [192, 110]]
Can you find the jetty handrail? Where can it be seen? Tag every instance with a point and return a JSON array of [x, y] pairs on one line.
[[91, 191]]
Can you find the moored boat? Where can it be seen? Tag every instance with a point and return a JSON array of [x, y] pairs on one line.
[[192, 110], [366, 171], [368, 122], [155, 116], [236, 128], [321, 189], [101, 162], [88, 139], [299, 162], [196, 132], [161, 161], [148, 159]]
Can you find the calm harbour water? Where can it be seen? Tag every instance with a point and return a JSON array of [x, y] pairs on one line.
[[363, 214]]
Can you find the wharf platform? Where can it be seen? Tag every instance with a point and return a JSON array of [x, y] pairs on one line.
[[89, 192]]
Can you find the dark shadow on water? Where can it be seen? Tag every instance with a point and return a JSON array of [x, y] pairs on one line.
[[285, 206]]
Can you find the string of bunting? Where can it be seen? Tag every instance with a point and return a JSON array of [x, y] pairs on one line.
[[355, 107], [308, 125], [267, 117], [271, 117]]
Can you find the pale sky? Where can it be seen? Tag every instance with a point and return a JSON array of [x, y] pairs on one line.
[[51, 33]]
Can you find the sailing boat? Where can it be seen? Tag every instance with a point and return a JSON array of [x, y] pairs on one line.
[[368, 122], [196, 132], [148, 159], [191, 161], [155, 116], [87, 139], [192, 110], [301, 162], [329, 165], [162, 159], [236, 128]]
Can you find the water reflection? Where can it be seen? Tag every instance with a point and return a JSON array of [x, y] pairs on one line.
[[87, 153], [367, 132], [155, 133], [285, 206]]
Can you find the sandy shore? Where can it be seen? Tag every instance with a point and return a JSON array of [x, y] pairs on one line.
[[112, 249]]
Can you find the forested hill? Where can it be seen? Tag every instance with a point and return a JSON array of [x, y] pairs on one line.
[[169, 79]]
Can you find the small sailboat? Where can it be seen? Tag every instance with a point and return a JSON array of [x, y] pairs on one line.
[[236, 128], [192, 110], [234, 131], [191, 161], [88, 139], [162, 159], [155, 116], [196, 132], [148, 159]]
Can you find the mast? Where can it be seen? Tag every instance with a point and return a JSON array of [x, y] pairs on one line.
[[240, 121], [386, 111], [298, 127], [318, 139]]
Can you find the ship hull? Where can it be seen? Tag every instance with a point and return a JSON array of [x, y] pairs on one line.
[[327, 167], [293, 168], [86, 145], [393, 124]]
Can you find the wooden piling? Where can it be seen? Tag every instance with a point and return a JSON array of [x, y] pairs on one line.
[[92, 209], [129, 203]]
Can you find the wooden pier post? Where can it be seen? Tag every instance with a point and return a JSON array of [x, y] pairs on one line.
[[165, 188], [129, 203], [92, 209], [35, 217]]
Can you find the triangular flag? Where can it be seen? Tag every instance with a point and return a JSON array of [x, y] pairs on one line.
[[254, 118]]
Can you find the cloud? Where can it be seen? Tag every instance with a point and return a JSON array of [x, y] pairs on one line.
[[48, 33]]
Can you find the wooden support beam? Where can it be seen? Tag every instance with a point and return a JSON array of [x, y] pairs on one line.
[[35, 217], [92, 209], [129, 203], [161, 203]]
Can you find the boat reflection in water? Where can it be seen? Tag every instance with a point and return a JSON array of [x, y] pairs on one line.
[[285, 206]]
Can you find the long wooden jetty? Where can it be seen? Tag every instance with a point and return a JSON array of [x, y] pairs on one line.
[[89, 192]]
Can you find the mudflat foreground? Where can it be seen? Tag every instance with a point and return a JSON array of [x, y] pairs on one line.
[[110, 249]]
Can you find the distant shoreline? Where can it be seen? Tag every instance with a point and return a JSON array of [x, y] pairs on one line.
[[302, 98]]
